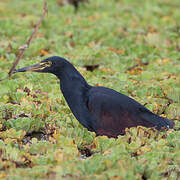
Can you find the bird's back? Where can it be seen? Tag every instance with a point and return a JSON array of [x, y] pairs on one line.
[[114, 112]]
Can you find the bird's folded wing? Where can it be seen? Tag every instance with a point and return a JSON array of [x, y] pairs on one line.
[[115, 113]]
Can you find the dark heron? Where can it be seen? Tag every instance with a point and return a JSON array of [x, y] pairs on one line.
[[99, 109]]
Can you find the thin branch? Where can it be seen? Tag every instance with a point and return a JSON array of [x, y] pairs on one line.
[[23, 48]]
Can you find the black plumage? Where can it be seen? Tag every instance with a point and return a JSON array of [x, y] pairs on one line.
[[99, 109]]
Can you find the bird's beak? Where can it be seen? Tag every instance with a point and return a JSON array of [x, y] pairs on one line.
[[35, 68]]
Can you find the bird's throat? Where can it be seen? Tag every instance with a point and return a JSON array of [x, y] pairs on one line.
[[75, 89]]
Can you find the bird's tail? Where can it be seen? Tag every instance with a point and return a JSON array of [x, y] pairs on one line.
[[157, 121], [164, 123]]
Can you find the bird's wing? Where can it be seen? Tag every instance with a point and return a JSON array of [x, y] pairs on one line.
[[114, 112]]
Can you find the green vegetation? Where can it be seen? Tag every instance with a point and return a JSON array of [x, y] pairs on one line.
[[136, 45]]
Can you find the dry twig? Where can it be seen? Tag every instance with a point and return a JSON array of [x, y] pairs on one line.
[[23, 48]]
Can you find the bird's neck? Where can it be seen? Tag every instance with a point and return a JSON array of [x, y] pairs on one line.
[[75, 88], [71, 81]]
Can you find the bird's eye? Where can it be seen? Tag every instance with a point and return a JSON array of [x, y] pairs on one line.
[[46, 64]]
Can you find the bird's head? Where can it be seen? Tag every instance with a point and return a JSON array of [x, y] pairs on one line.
[[50, 65]]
